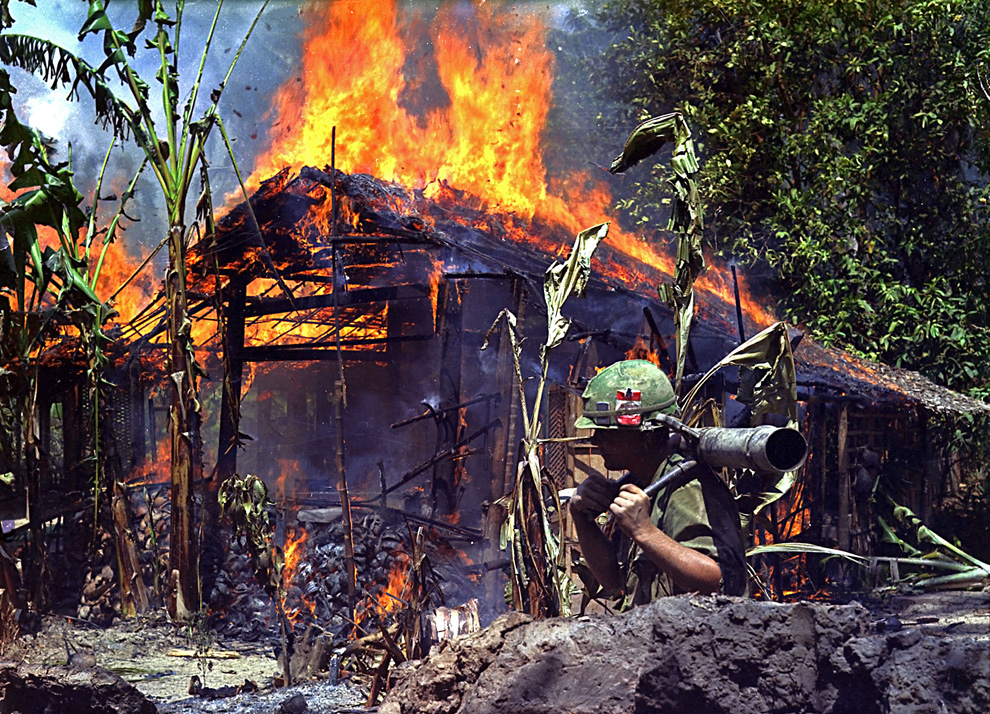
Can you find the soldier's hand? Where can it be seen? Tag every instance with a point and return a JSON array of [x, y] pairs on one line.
[[593, 496], [631, 509]]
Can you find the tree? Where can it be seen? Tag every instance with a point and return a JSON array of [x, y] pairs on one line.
[[846, 157], [174, 149]]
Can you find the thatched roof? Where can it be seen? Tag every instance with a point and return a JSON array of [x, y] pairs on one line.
[[377, 211]]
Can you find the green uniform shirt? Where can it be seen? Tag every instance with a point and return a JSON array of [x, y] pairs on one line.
[[700, 514]]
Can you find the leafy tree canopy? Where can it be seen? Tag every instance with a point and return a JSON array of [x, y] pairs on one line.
[[844, 151]]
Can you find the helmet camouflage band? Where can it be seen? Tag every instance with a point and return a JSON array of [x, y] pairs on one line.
[[626, 394]]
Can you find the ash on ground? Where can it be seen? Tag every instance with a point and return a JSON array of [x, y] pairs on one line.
[[143, 653]]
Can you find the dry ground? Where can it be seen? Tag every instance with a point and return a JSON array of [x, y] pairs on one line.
[[138, 651]]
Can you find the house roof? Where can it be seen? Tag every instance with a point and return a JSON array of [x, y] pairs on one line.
[[291, 211]]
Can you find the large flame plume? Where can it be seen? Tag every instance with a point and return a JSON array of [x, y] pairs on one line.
[[459, 100]]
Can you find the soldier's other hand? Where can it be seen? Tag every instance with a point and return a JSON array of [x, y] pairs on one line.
[[593, 496], [631, 509]]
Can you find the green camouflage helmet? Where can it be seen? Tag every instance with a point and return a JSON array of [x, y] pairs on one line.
[[626, 394]]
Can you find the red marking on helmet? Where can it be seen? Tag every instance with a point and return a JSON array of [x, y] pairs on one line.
[[625, 399]]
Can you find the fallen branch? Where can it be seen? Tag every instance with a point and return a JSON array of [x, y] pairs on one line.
[[200, 654]]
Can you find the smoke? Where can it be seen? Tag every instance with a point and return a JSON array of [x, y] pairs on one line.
[[267, 60]]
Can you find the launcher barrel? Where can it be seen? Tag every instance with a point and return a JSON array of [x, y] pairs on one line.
[[765, 448]]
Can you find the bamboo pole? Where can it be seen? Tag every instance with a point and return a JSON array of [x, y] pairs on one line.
[[340, 391]]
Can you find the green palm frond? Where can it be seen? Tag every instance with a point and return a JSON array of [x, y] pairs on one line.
[[60, 68], [795, 548]]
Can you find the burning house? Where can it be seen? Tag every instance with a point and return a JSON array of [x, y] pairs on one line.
[[355, 311]]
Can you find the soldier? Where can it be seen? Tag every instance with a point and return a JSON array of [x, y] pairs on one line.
[[687, 539]]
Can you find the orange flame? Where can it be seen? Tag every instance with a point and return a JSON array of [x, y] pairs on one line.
[[294, 549], [435, 276], [154, 471], [119, 265], [283, 484], [476, 125], [641, 350], [394, 596], [497, 83]]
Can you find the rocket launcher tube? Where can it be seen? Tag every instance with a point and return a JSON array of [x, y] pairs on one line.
[[766, 449]]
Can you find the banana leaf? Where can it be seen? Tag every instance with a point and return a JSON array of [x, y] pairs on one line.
[[528, 532], [906, 518], [766, 363], [685, 218], [568, 278]]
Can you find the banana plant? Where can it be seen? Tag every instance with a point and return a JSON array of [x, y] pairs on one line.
[[686, 218], [174, 149], [245, 502], [538, 581], [45, 292]]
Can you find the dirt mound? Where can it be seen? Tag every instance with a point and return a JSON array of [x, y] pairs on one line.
[[694, 654]]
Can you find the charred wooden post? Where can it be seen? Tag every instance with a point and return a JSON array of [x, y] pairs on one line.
[[843, 458], [230, 410], [449, 426], [345, 502], [231, 326], [340, 387], [739, 312]]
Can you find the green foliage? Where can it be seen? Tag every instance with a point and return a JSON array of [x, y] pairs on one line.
[[926, 548], [50, 283], [173, 144], [845, 149]]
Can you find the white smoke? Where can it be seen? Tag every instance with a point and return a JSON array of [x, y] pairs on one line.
[[269, 57]]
